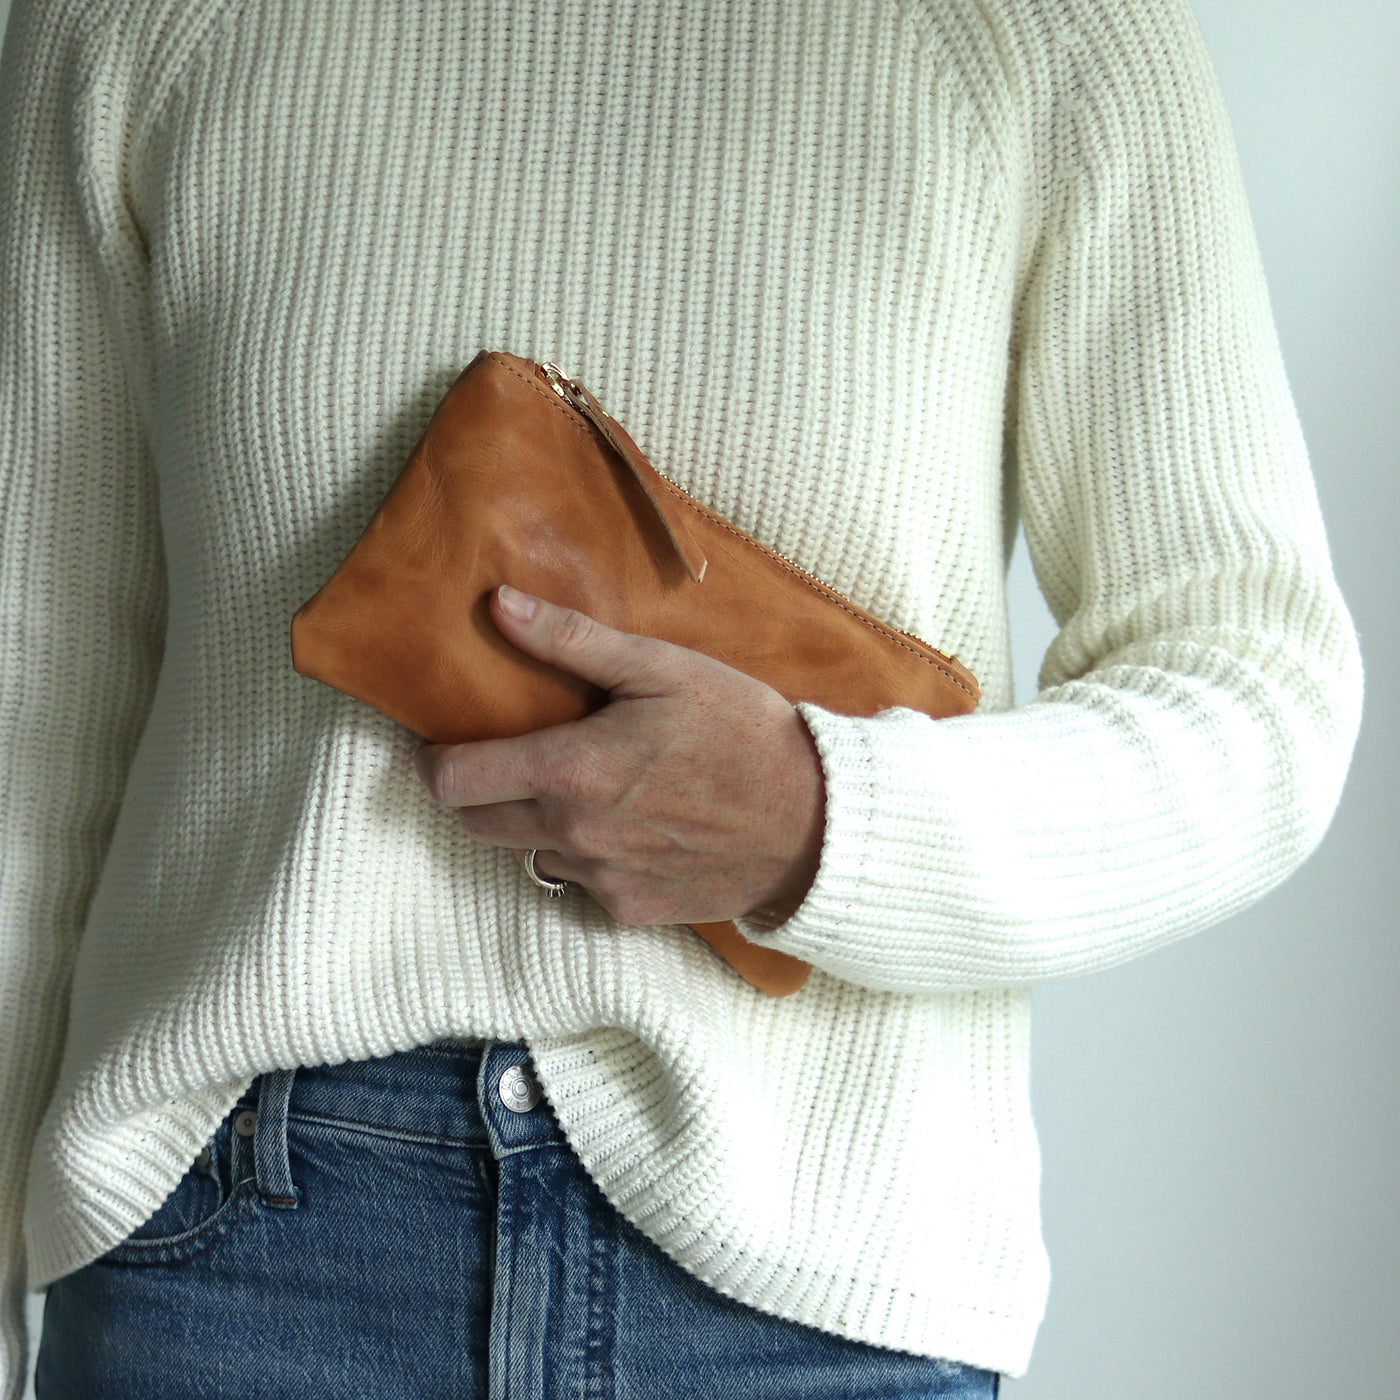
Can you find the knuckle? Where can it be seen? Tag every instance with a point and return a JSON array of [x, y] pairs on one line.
[[542, 777], [583, 836], [606, 784], [611, 905], [574, 772], [571, 777], [636, 909], [540, 766], [630, 905], [574, 629], [625, 909], [608, 891], [550, 767]]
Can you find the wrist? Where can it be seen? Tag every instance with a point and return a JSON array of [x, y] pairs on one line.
[[806, 802]]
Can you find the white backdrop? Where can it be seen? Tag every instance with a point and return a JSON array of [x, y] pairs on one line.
[[1219, 1120]]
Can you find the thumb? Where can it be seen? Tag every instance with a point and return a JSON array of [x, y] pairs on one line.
[[575, 642]]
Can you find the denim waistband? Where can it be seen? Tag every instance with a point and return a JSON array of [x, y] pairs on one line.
[[450, 1091]]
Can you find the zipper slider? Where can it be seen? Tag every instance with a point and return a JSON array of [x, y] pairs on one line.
[[570, 390], [655, 486]]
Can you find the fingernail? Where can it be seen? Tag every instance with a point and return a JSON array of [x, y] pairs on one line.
[[517, 604]]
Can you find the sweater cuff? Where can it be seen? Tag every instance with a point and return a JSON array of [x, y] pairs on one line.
[[850, 772]]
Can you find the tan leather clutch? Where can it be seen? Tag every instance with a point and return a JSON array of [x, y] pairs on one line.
[[522, 478]]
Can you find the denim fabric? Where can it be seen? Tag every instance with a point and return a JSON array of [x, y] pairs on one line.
[[391, 1228]]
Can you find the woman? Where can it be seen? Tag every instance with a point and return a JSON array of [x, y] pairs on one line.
[[310, 1083]]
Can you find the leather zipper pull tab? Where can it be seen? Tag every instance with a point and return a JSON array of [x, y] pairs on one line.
[[667, 507]]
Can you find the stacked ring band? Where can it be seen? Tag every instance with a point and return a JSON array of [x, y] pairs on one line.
[[552, 888]]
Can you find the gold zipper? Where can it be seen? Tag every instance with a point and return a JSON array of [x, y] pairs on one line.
[[561, 384], [569, 388]]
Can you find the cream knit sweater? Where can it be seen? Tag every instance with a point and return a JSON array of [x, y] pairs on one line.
[[875, 279]]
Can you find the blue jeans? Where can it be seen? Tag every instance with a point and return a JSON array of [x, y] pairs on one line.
[[416, 1226]]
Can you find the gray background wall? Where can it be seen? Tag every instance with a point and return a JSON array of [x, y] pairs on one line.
[[1221, 1120]]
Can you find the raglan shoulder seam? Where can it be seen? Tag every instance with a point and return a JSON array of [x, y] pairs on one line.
[[192, 27], [126, 58]]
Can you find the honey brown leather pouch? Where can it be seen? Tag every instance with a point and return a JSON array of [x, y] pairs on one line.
[[522, 478]]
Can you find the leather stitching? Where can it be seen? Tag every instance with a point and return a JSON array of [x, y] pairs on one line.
[[821, 589]]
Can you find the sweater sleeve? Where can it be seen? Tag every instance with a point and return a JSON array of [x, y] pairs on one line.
[[82, 580], [1199, 705]]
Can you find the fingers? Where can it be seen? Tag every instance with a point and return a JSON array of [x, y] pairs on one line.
[[622, 661], [514, 826], [517, 824], [485, 771], [554, 865]]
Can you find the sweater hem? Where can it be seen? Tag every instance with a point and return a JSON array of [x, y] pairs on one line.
[[727, 1258], [64, 1239], [859, 1308]]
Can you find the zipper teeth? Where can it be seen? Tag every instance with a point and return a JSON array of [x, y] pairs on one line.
[[558, 380], [899, 631]]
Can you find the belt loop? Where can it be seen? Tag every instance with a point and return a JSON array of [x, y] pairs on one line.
[[270, 1161]]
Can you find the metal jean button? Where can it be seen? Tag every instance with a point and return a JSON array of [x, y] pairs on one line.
[[518, 1089]]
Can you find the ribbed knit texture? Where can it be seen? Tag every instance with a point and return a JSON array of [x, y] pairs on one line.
[[869, 279]]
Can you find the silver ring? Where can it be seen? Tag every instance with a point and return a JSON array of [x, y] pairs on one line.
[[552, 888]]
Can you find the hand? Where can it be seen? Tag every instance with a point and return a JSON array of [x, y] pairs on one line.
[[694, 794]]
